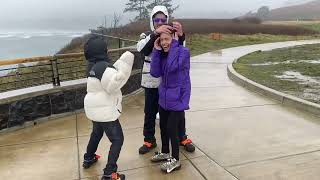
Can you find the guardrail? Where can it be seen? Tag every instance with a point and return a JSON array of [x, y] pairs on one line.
[[122, 42], [35, 71], [60, 87]]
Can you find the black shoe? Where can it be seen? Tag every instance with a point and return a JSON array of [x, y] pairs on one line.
[[114, 176], [146, 147], [89, 162], [187, 144]]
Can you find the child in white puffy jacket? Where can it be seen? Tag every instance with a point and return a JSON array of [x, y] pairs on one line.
[[102, 104]]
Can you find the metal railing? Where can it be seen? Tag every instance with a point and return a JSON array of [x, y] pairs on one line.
[[28, 72], [122, 42]]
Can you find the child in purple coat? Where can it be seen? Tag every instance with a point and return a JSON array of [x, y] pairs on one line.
[[171, 62]]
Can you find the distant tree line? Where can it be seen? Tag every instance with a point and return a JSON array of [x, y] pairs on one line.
[[143, 7], [262, 13]]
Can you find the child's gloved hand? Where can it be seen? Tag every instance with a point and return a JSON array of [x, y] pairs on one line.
[[178, 28]]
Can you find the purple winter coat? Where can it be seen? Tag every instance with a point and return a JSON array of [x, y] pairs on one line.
[[174, 70]]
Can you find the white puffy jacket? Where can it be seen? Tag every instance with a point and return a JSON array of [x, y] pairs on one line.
[[103, 100]]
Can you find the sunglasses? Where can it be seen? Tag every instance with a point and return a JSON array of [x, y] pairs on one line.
[[158, 20]]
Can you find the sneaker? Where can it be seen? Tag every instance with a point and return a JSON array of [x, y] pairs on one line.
[[187, 144], [160, 157], [147, 147], [89, 162], [171, 165], [114, 176]]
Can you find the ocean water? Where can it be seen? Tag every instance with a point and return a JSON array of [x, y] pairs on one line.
[[31, 43]]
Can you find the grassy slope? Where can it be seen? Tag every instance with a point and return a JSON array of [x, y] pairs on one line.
[[313, 26], [199, 43], [266, 74]]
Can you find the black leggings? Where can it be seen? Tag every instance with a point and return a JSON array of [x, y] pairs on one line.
[[114, 133], [151, 109], [169, 126]]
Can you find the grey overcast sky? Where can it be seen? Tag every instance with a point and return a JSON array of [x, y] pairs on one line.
[[17, 11]]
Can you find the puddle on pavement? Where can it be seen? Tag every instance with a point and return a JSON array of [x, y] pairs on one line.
[[287, 62], [312, 93], [215, 53], [298, 77]]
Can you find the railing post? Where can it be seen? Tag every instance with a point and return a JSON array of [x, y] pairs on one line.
[[119, 43], [55, 72], [119, 54], [52, 70]]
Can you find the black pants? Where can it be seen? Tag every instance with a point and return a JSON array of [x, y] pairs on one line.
[[114, 133], [169, 126], [151, 109]]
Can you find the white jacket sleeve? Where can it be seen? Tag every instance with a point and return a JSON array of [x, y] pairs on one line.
[[143, 40], [146, 43], [114, 79]]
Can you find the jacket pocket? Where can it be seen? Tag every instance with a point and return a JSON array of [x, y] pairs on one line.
[[173, 94]]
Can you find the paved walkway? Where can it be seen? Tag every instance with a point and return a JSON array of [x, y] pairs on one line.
[[238, 134]]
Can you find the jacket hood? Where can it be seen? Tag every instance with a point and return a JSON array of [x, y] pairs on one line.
[[154, 11], [96, 49]]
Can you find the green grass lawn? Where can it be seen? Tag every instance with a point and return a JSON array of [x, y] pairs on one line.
[[313, 26], [293, 60]]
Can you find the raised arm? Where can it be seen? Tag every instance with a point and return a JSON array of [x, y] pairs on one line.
[[156, 70], [114, 79], [186, 84]]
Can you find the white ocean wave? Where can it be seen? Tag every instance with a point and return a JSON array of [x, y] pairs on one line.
[[46, 34], [76, 35], [28, 35], [6, 36]]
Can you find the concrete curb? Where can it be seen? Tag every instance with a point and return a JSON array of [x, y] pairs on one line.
[[284, 99]]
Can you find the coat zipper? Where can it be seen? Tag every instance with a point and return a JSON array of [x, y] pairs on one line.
[[166, 79], [117, 105]]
